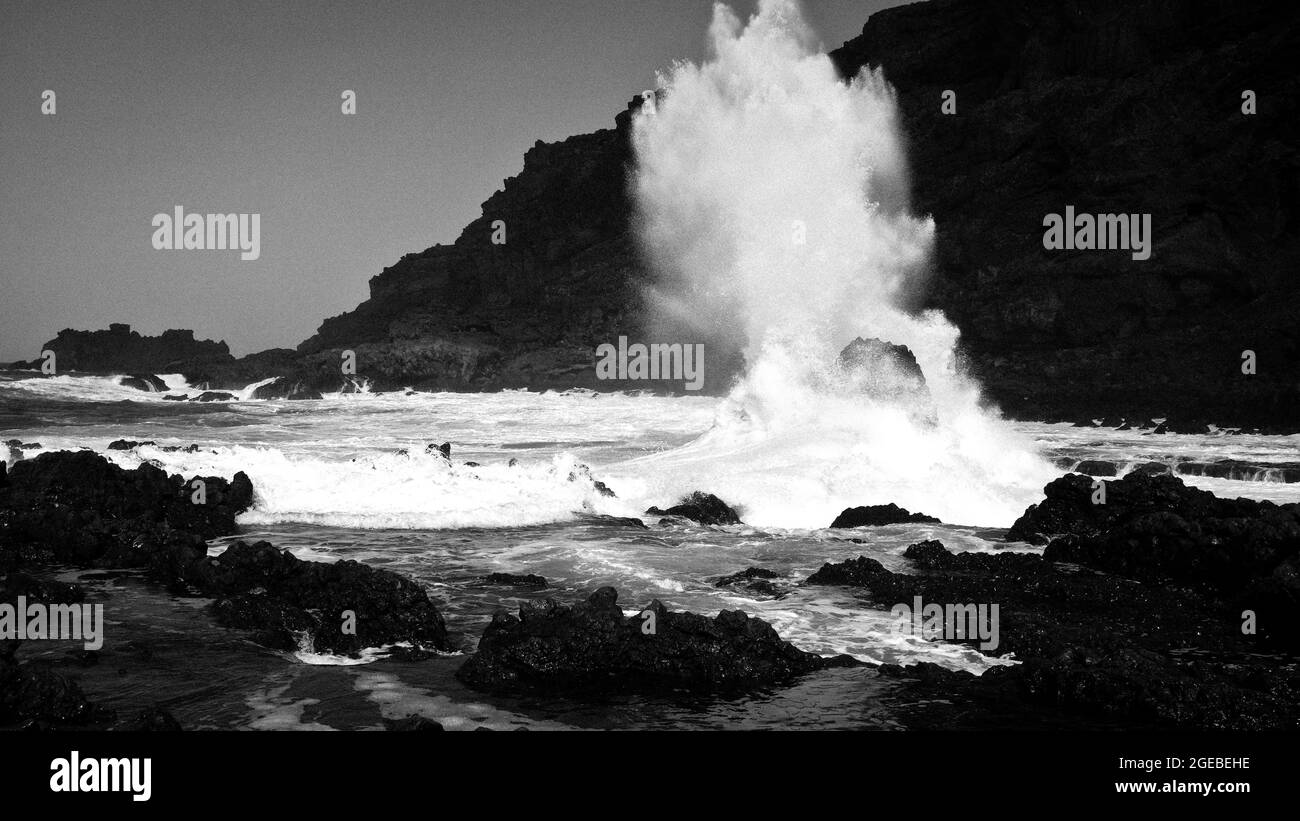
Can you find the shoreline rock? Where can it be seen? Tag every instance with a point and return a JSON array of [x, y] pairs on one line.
[[704, 508], [78, 508], [592, 647], [880, 515]]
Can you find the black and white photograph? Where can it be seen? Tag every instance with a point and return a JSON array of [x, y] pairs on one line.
[[770, 381]]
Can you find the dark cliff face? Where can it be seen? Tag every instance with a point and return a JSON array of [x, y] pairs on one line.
[[1108, 106], [1111, 106], [528, 311]]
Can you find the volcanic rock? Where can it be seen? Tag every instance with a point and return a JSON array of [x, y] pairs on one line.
[[593, 646], [701, 507]]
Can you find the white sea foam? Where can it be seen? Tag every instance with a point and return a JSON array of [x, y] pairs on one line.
[[737, 159]]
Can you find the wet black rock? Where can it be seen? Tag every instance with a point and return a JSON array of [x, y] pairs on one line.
[[144, 382], [593, 646], [33, 691], [888, 373], [342, 607], [412, 723], [286, 389], [81, 509], [1096, 646], [128, 444], [149, 720], [269, 621], [755, 580], [214, 396], [614, 521], [78, 507], [1096, 467], [859, 572], [1244, 471], [1155, 528], [1151, 468], [584, 472], [876, 515], [704, 508], [444, 450], [513, 580], [748, 574], [184, 397]]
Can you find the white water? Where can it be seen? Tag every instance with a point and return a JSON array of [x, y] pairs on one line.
[[736, 161]]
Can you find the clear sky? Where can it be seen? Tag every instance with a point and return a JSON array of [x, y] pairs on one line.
[[234, 107]]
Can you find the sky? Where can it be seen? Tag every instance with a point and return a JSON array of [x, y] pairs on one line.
[[235, 107]]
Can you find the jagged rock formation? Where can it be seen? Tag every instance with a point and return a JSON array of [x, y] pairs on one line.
[[122, 350], [592, 646], [1110, 106], [1113, 107], [888, 373]]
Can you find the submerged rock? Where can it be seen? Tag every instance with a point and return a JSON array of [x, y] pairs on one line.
[[593, 646], [754, 580], [512, 580]]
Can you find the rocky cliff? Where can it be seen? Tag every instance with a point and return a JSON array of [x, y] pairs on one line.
[[122, 350], [1112, 106], [1108, 106]]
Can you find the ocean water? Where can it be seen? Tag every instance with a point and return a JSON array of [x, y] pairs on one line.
[[772, 204], [348, 476]]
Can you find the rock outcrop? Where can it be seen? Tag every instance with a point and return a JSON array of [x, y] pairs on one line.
[[592, 646], [79, 508], [1109, 106], [701, 507], [122, 350], [1090, 644], [877, 515]]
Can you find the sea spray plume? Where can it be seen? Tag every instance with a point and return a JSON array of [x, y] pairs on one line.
[[771, 201], [747, 151]]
